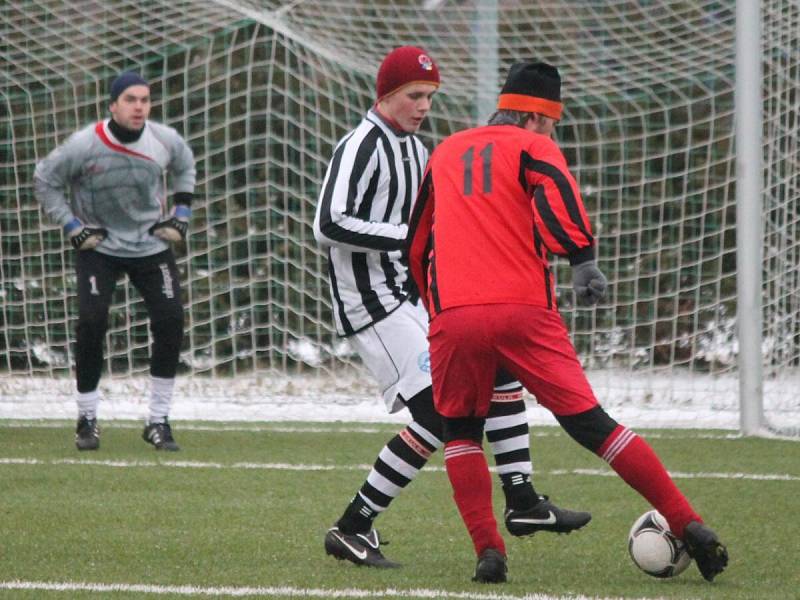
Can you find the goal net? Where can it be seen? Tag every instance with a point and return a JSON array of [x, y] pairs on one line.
[[263, 90]]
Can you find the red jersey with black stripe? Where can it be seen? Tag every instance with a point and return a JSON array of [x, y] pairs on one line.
[[494, 201]]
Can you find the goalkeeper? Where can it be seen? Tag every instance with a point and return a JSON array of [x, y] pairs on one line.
[[494, 201], [105, 186]]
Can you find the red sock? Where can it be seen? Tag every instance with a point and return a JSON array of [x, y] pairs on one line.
[[472, 490], [636, 462]]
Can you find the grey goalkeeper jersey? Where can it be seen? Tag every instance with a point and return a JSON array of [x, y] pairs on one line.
[[121, 187]]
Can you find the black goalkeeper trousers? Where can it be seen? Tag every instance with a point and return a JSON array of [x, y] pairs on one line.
[[156, 279]]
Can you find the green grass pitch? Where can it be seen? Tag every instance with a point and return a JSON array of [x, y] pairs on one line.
[[248, 506]]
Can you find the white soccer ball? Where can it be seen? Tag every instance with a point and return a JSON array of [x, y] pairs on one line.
[[655, 549]]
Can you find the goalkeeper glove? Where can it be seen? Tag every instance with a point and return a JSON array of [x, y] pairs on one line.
[[173, 229], [84, 237], [588, 282]]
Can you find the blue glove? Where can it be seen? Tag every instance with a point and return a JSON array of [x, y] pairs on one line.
[[588, 282]]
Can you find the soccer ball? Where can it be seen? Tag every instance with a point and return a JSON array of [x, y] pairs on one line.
[[655, 549]]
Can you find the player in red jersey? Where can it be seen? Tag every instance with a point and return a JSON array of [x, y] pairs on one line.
[[362, 221], [494, 201]]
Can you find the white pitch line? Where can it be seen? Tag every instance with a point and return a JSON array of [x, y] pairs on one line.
[[209, 427], [387, 428], [683, 475], [191, 464], [281, 591], [182, 464]]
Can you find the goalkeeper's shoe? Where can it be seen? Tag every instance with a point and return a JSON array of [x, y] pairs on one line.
[[160, 435], [544, 516], [704, 547], [491, 567], [358, 548], [87, 434]]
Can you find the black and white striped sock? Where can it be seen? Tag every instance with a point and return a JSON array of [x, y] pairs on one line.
[[396, 466], [508, 435]]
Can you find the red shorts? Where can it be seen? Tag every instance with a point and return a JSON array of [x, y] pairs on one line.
[[469, 343]]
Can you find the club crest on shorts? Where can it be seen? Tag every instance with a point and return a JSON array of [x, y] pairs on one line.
[[424, 362]]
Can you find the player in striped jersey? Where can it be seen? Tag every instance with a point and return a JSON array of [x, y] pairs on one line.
[[365, 202], [105, 187], [495, 200]]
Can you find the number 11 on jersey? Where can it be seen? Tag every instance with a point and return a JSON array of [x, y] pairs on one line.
[[468, 158]]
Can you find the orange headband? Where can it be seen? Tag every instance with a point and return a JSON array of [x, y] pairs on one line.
[[525, 103]]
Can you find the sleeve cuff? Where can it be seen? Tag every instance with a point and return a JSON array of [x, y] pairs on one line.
[[184, 198], [581, 256]]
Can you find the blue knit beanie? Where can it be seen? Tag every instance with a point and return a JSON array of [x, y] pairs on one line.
[[124, 81]]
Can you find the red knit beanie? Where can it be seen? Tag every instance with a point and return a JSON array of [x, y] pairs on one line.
[[404, 66]]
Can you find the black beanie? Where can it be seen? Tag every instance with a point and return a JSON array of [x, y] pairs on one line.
[[124, 81], [532, 87]]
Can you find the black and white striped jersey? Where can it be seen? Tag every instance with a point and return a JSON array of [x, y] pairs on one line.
[[362, 215]]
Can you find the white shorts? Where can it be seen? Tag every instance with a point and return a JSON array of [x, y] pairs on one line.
[[395, 350]]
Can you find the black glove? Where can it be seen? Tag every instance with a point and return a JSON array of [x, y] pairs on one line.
[[588, 282], [86, 237], [173, 229]]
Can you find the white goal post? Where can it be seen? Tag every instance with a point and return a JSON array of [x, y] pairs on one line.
[[262, 90]]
